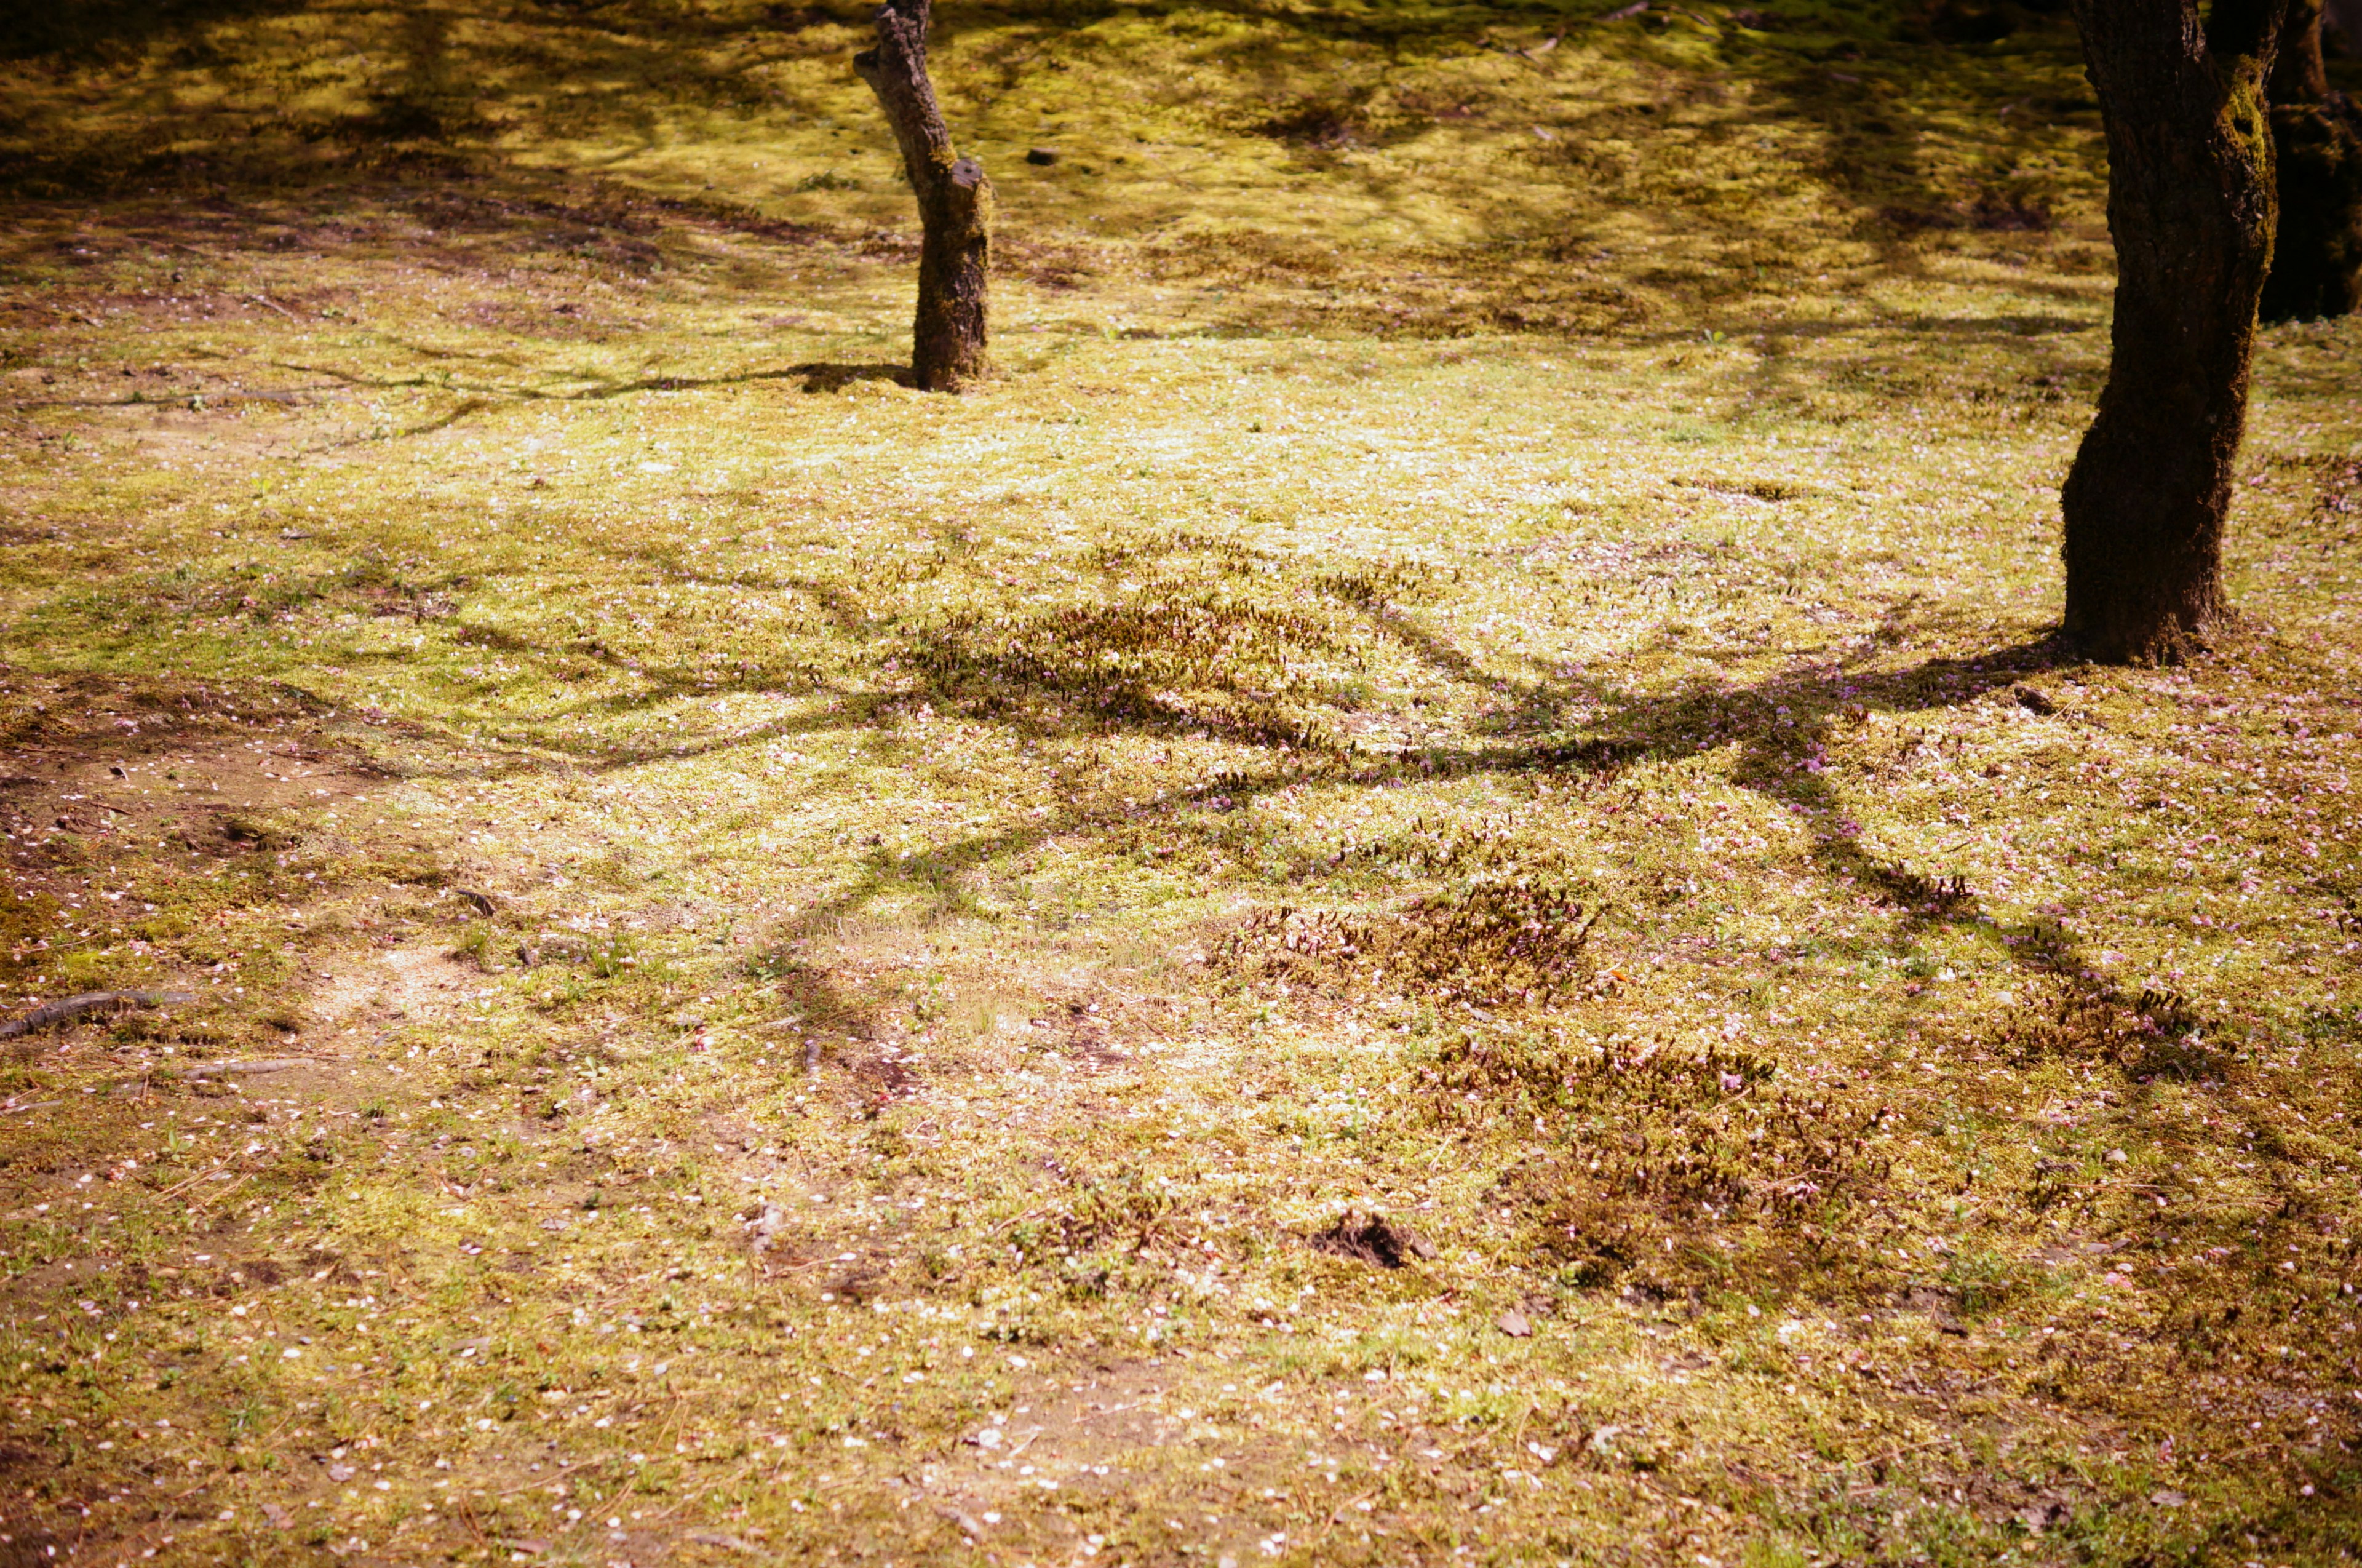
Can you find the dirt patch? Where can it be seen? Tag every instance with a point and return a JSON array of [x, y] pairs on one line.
[[119, 754], [407, 983], [1087, 1436], [150, 822], [884, 1075], [1079, 1028]]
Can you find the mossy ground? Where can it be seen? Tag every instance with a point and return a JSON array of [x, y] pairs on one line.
[[1425, 892]]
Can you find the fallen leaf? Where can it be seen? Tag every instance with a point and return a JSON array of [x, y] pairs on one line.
[[1515, 1324]]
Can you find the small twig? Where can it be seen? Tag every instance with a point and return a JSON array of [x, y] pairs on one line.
[[269, 303], [797, 1267], [37, 1105], [544, 1480], [1894, 1453], [255, 1065], [210, 1170], [723, 1538], [730, 1480], [203, 1204], [467, 1514], [89, 1001]]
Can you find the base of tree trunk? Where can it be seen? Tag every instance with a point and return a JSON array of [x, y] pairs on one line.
[[2145, 498], [2317, 253], [2161, 634], [952, 328]]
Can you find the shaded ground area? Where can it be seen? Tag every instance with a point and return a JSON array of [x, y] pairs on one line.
[[1426, 893]]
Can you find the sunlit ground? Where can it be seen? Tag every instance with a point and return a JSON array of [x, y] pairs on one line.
[[1425, 892]]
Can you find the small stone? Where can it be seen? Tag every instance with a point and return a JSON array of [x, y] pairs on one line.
[[1040, 156], [2116, 1157]]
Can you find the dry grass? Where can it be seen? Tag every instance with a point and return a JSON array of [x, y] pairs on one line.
[[1425, 892]]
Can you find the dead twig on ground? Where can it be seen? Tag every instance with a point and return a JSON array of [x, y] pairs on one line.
[[255, 1066], [66, 1008]]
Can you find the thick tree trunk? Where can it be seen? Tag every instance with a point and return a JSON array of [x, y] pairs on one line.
[[949, 337], [2190, 205], [2317, 141]]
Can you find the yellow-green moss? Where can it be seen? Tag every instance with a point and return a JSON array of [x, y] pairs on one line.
[[1391, 528]]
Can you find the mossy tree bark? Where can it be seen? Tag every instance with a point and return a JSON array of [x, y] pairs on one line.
[[2191, 208], [2317, 142], [949, 338]]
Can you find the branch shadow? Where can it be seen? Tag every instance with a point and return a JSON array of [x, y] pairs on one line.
[[817, 376], [1780, 725], [1064, 676]]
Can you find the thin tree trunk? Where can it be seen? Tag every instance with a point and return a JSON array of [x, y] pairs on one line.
[[2346, 16], [2299, 73], [2317, 140], [949, 336], [2191, 208]]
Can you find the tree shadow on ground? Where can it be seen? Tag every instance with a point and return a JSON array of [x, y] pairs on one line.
[[86, 31], [1780, 725], [1206, 665], [1094, 671], [813, 376], [417, 110]]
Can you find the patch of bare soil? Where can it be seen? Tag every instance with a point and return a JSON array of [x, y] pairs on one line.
[[177, 835], [1090, 1437]]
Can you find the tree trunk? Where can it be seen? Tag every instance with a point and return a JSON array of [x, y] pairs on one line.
[[2344, 18], [948, 338], [2191, 208], [2317, 140]]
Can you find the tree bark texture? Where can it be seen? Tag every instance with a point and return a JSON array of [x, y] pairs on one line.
[[949, 337], [2317, 143], [2191, 209]]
